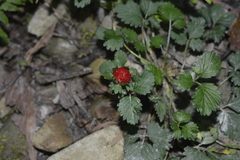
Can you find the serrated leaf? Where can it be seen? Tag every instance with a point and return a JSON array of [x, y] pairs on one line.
[[159, 136], [3, 18], [133, 151], [169, 12], [189, 131], [180, 39], [100, 32], [81, 3], [5, 6], [236, 78], [129, 13], [219, 16], [151, 152], [156, 41], [144, 83], [3, 34], [229, 125], [130, 35], [234, 60], [114, 40], [156, 72], [17, 2], [205, 12], [196, 28], [215, 34], [206, 97], [184, 81], [120, 58], [213, 156], [196, 45], [129, 108], [207, 65], [181, 117], [149, 7], [139, 46], [160, 109], [194, 154], [155, 23], [176, 131], [208, 137], [179, 23], [234, 103], [117, 89], [106, 69]]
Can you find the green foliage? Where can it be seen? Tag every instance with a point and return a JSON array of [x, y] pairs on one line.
[[81, 3], [151, 30], [8, 6]]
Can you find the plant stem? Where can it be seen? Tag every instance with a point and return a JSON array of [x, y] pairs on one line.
[[228, 145], [224, 80], [185, 54], [168, 42], [144, 61]]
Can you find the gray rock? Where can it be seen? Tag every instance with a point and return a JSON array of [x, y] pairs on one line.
[[99, 145]]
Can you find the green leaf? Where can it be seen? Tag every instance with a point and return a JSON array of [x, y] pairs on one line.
[[219, 16], [133, 151], [155, 23], [100, 32], [184, 81], [3, 18], [160, 109], [205, 12], [139, 46], [234, 103], [194, 154], [17, 2], [120, 58], [215, 34], [213, 156], [180, 39], [179, 23], [196, 27], [234, 60], [3, 37], [156, 41], [144, 83], [236, 78], [206, 97], [129, 108], [181, 117], [229, 125], [114, 40], [81, 3], [207, 65], [208, 137], [149, 7], [106, 69], [8, 7], [117, 89], [177, 133], [196, 45], [156, 72], [169, 12], [189, 131], [130, 35], [129, 13], [151, 152], [159, 136]]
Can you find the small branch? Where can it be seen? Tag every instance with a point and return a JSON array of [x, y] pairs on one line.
[[226, 79], [228, 145], [144, 61]]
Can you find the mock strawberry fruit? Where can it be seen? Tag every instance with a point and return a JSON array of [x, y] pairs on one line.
[[122, 75]]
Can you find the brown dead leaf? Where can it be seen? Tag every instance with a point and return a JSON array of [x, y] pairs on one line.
[[21, 95]]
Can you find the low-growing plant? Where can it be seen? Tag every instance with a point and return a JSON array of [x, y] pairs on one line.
[[8, 6], [152, 31]]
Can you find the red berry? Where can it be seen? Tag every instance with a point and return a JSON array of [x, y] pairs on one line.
[[122, 75]]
